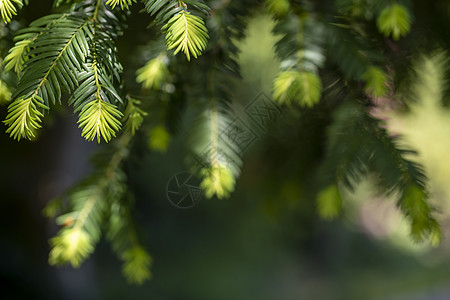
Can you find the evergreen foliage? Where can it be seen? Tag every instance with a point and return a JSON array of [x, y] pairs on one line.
[[186, 33], [337, 55], [124, 4], [394, 20]]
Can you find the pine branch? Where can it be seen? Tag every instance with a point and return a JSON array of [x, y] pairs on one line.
[[347, 155], [133, 116], [186, 33], [427, 87], [24, 117], [100, 199], [301, 51], [358, 146], [8, 9], [357, 59], [164, 10], [58, 3], [124, 4], [44, 73], [123, 237], [303, 87], [395, 20], [217, 156], [55, 59], [81, 50], [329, 202], [278, 8], [24, 38], [99, 119], [91, 201], [136, 265], [155, 71], [77, 242], [5, 93], [226, 31], [96, 95], [17, 56], [356, 9]]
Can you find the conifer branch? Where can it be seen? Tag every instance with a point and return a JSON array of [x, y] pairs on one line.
[[92, 201], [43, 73], [301, 51], [124, 4], [186, 33], [8, 9], [24, 117]]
